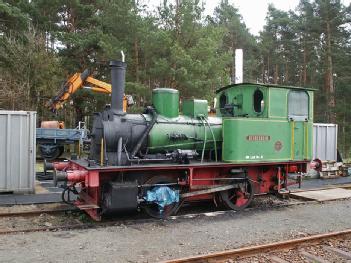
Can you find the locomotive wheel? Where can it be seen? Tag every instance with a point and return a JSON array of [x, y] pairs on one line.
[[153, 210], [238, 198]]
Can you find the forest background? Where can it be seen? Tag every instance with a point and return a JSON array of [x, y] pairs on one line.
[[43, 42]]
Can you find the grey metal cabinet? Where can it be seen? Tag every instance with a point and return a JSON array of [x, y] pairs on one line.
[[17, 151], [325, 140]]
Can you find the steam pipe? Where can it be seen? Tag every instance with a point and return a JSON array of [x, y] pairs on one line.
[[146, 132], [119, 150]]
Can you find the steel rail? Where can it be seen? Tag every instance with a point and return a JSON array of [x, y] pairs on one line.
[[264, 248], [38, 212], [44, 229]]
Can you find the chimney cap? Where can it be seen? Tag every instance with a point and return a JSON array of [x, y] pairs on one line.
[[118, 63]]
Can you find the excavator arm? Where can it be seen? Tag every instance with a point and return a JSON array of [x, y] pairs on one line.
[[78, 81]]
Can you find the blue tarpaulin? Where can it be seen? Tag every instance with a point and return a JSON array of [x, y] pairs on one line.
[[163, 196]]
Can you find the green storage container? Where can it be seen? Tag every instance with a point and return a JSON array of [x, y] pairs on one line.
[[166, 102], [194, 108]]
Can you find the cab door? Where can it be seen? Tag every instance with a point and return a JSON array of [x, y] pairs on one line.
[[298, 117]]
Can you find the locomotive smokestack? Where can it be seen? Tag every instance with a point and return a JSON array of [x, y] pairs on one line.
[[118, 79]]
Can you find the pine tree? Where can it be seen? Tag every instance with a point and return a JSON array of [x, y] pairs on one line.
[[237, 36], [331, 17]]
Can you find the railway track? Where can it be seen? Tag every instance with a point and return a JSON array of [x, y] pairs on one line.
[[36, 212], [131, 219], [320, 248], [139, 219]]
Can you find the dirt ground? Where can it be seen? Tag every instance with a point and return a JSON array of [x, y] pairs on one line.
[[153, 241]]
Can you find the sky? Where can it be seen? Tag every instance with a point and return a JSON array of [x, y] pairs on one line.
[[252, 11]]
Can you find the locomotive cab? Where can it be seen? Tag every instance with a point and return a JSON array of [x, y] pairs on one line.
[[264, 122]]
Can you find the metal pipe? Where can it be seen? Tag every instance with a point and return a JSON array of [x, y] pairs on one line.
[[119, 151], [76, 176], [102, 152], [118, 75], [70, 176], [145, 134], [205, 139], [305, 125], [60, 165], [292, 139], [214, 139]]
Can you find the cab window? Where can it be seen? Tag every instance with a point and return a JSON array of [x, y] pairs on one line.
[[298, 105], [223, 100], [258, 101]]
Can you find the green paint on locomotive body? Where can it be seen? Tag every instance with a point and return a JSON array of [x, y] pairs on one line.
[[166, 102], [265, 123], [194, 108], [193, 130], [184, 132], [254, 123]]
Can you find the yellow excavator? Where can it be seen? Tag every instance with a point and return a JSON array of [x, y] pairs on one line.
[[86, 81], [52, 135]]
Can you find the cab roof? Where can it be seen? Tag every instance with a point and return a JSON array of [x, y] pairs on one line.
[[262, 85]]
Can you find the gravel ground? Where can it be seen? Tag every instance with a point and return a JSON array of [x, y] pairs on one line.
[[42, 220], [160, 240]]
